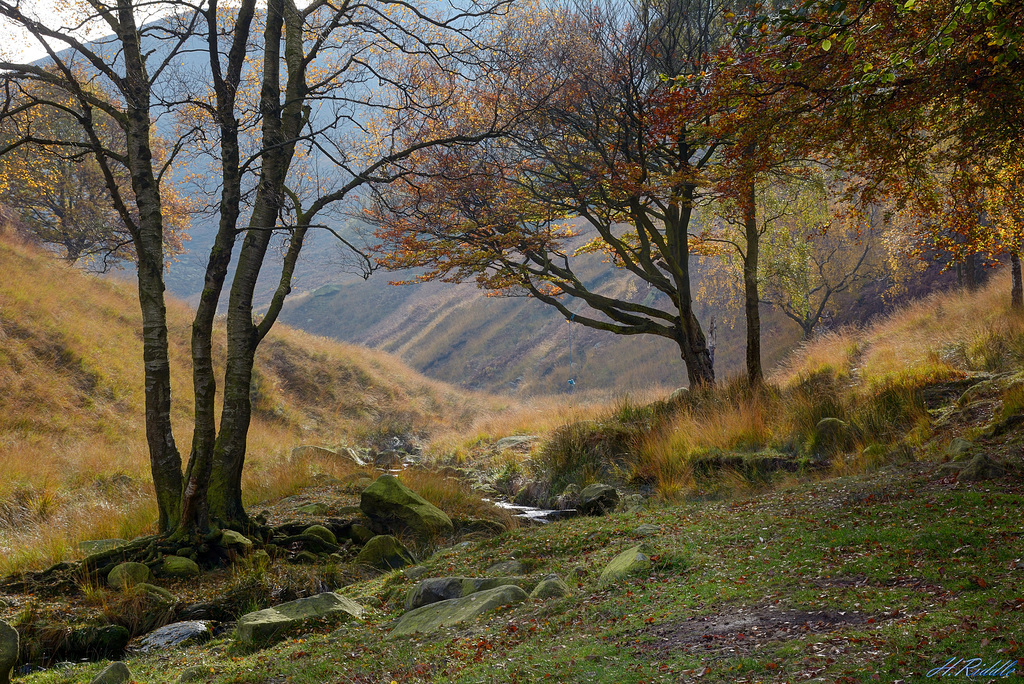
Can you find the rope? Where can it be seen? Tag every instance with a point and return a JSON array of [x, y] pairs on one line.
[[572, 376]]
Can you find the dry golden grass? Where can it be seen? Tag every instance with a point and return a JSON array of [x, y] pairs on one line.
[[71, 410]]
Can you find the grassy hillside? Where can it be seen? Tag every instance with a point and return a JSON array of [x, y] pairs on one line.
[[72, 444]]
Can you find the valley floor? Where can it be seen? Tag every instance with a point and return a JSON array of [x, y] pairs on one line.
[[878, 577]]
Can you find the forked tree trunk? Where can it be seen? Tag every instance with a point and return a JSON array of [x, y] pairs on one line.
[[693, 345]]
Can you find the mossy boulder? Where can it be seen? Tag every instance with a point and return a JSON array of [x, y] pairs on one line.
[[981, 467], [630, 561], [313, 509], [598, 499], [385, 552], [508, 567], [114, 673], [832, 436], [433, 617], [321, 532], [128, 574], [436, 589], [960, 449], [179, 566], [8, 651], [551, 586], [262, 626], [236, 541], [390, 503]]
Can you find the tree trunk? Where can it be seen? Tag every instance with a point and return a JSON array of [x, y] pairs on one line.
[[971, 272], [693, 345], [1017, 291], [165, 461], [752, 299]]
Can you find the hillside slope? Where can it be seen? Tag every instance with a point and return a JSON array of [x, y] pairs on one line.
[[72, 443]]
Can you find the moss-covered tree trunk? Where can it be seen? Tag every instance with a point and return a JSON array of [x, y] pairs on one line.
[[751, 296]]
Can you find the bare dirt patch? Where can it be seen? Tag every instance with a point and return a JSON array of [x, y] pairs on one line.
[[742, 630]]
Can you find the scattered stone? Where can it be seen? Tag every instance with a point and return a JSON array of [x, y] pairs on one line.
[[569, 498], [321, 532], [626, 563], [361, 533], [260, 560], [235, 540], [176, 634], [8, 651], [648, 530], [114, 673], [551, 586], [91, 546], [263, 625], [179, 566], [679, 395], [633, 502], [433, 617], [348, 511], [160, 594], [414, 573], [313, 509], [520, 442], [385, 553], [305, 558], [128, 574], [196, 673], [598, 499], [437, 589], [391, 503], [981, 467], [509, 567]]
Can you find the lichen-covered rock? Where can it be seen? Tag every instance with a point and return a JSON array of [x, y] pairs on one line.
[[128, 574], [385, 552], [179, 566], [321, 532], [437, 589], [626, 563], [598, 499], [264, 625], [647, 530], [389, 502], [313, 509], [551, 586], [8, 651], [981, 467], [960, 449], [176, 634], [114, 673], [509, 567], [196, 673], [433, 617]]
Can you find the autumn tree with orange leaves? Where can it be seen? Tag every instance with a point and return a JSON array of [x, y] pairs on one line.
[[613, 163]]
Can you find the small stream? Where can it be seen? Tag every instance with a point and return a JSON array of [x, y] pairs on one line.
[[534, 515]]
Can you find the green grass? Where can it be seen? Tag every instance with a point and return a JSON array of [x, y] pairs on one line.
[[930, 571]]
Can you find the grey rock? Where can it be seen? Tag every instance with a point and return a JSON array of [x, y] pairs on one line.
[[390, 503], [414, 573], [385, 552], [114, 673], [626, 563], [176, 634], [520, 442], [431, 618], [437, 589], [679, 394], [8, 651], [509, 567], [196, 673], [551, 586], [959, 449], [230, 539], [648, 530], [313, 509], [264, 625], [981, 467], [598, 499]]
